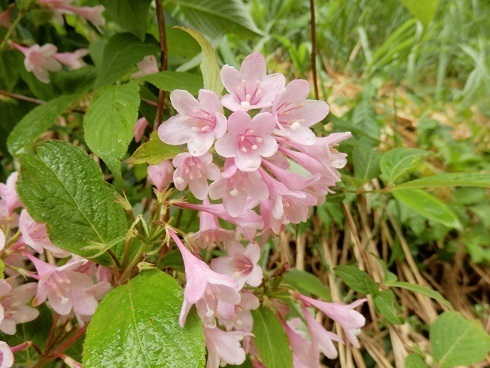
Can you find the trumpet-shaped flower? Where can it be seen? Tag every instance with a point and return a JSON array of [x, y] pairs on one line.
[[197, 123], [9, 195], [160, 175], [210, 230], [250, 88], [73, 60], [139, 129], [146, 66], [204, 287], [248, 140], [223, 347], [39, 60], [6, 355]]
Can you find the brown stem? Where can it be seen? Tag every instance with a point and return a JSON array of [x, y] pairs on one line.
[[30, 100], [163, 61], [313, 47], [70, 340]]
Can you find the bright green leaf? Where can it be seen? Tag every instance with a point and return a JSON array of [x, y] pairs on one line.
[[209, 65], [153, 152], [121, 53], [129, 14], [400, 161], [366, 162], [109, 122], [137, 325], [422, 9], [421, 290], [356, 279], [36, 122], [271, 339], [364, 119], [307, 283], [414, 361], [386, 304], [63, 187], [428, 206], [448, 180], [457, 341], [168, 81]]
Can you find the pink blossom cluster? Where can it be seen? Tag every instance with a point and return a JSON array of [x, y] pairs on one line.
[[71, 290], [260, 168]]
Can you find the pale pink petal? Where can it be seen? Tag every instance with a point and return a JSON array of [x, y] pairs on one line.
[[175, 130], [225, 146], [2, 239], [253, 68], [6, 355], [184, 102], [231, 78]]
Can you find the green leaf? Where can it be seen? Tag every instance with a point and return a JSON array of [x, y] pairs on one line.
[[428, 206], [216, 17], [109, 122], [209, 65], [271, 339], [153, 152], [448, 180], [422, 9], [36, 122], [356, 279], [456, 340], [137, 325], [366, 162], [307, 283], [414, 361], [64, 188], [129, 14], [387, 305], [364, 119], [122, 52], [421, 290], [168, 81], [400, 161]]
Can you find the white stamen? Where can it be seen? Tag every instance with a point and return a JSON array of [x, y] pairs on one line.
[[242, 138], [244, 149], [258, 139], [237, 274], [295, 126], [254, 147], [234, 192], [195, 129], [239, 322], [248, 97], [245, 105]]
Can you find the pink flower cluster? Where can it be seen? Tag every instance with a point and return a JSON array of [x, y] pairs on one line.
[[71, 290], [259, 168]]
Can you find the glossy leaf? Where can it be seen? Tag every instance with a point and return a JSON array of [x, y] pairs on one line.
[[400, 161], [448, 180], [153, 152], [356, 279], [129, 14], [271, 339], [366, 162], [136, 325], [428, 206], [457, 341], [36, 122], [307, 283], [209, 65], [121, 53], [168, 81], [424, 10], [64, 188], [421, 290], [109, 122]]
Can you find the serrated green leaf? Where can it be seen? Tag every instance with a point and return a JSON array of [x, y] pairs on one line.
[[129, 14], [422, 9], [121, 53], [209, 65], [216, 17], [448, 180], [428, 206], [271, 339], [356, 279], [457, 341], [421, 290], [109, 122], [63, 187], [153, 152], [386, 304], [168, 81], [414, 361], [366, 162], [308, 284], [36, 122], [364, 119], [400, 161], [136, 325]]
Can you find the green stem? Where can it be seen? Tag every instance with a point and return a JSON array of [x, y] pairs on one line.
[[11, 29]]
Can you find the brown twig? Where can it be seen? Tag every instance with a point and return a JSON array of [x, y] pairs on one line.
[[163, 61], [31, 100], [313, 47]]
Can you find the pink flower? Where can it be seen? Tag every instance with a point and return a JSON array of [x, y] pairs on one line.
[[304, 354], [248, 140], [204, 287], [210, 230], [36, 236], [160, 175], [6, 356], [39, 60], [8, 193], [92, 13], [223, 347], [345, 315], [139, 129], [13, 304], [197, 123], [295, 114], [235, 186], [73, 60], [242, 317], [250, 88], [5, 18], [146, 66], [195, 172], [241, 263], [2, 239]]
